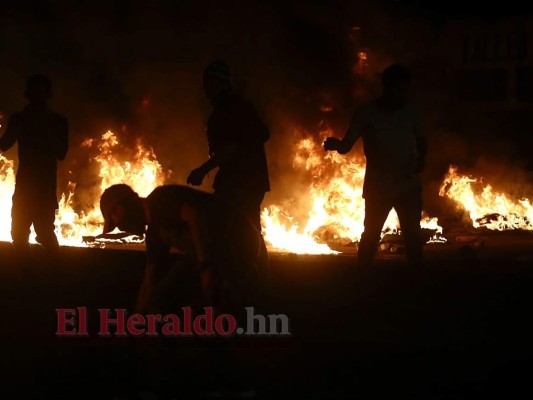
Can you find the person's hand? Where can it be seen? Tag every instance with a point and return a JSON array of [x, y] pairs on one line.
[[196, 177], [332, 143]]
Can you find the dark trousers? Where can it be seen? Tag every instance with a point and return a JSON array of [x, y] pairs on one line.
[[249, 203], [246, 201], [28, 210], [409, 210]]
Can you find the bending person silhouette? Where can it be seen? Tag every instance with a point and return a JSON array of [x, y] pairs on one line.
[[42, 138], [395, 151], [221, 244]]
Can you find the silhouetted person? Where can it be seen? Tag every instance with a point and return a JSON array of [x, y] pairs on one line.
[[42, 138], [395, 151], [236, 137], [217, 266], [223, 246]]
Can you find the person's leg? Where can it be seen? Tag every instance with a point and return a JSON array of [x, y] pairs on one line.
[[44, 228], [409, 209], [249, 203], [376, 211], [21, 220], [252, 208]]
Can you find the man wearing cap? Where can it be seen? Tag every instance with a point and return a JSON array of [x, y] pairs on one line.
[[221, 242], [236, 137], [42, 137]]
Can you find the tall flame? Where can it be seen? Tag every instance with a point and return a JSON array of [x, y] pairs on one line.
[[7, 187], [485, 206], [141, 171]]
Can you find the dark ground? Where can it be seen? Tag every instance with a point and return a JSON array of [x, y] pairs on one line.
[[461, 329]]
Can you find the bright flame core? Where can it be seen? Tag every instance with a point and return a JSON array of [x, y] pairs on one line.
[[7, 188]]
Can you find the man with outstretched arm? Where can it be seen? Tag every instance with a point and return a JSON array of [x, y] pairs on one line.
[[395, 149]]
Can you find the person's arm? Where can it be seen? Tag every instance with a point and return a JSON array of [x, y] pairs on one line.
[[156, 253], [10, 136], [192, 217], [352, 134], [223, 156], [226, 154]]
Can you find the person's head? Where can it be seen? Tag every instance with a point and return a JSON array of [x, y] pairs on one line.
[[216, 79], [38, 89], [395, 81], [122, 208]]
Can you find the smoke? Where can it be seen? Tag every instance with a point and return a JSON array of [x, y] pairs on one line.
[[135, 68]]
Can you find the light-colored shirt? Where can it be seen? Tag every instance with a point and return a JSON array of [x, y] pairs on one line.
[[389, 143]]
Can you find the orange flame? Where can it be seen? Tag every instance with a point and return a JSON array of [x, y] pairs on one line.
[[485, 206], [335, 206], [141, 171], [7, 187]]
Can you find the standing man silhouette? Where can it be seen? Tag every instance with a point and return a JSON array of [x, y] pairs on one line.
[[42, 138], [395, 150], [236, 137]]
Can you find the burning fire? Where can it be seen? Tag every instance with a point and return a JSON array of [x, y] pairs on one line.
[[485, 206], [7, 187], [335, 203], [333, 198], [140, 169]]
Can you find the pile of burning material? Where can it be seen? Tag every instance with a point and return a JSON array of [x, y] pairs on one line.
[[486, 208], [394, 243], [113, 237], [335, 220]]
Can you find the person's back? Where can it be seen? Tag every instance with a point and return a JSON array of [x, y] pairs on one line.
[[232, 241]]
